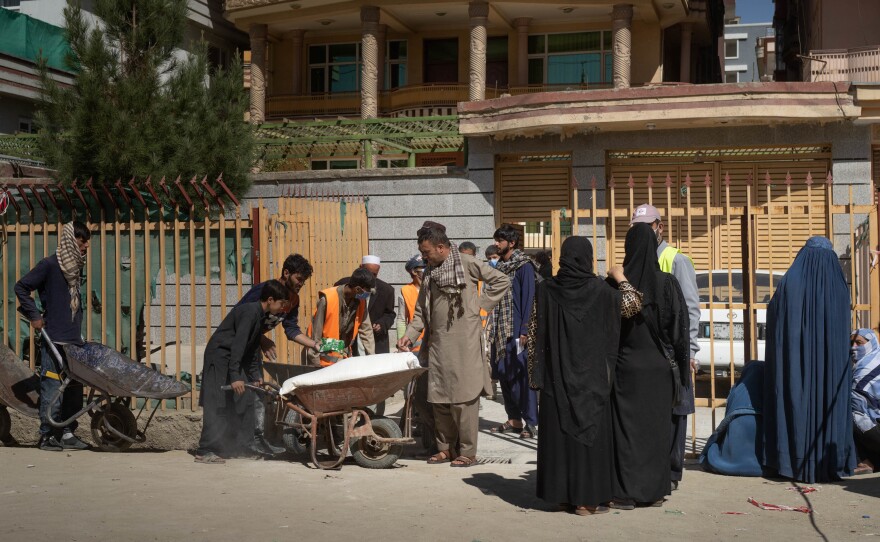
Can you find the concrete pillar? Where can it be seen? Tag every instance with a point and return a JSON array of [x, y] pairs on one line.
[[258, 34], [296, 40], [369, 62], [621, 24], [522, 50], [479, 14], [687, 30], [382, 39]]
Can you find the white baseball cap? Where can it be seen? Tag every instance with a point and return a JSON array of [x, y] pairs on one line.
[[645, 213]]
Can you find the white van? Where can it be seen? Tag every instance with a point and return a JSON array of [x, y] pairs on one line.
[[721, 317]]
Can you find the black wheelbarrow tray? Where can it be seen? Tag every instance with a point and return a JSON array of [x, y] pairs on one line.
[[112, 379], [375, 442], [19, 390]]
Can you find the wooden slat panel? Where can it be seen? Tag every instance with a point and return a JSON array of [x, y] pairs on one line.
[[781, 235], [642, 191], [528, 191]]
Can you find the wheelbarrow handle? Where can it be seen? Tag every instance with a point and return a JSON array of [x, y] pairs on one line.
[[53, 349], [259, 389]]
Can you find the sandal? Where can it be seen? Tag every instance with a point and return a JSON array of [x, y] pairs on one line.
[[464, 461], [862, 469], [440, 457], [504, 427], [529, 431], [590, 510], [622, 504], [210, 458]]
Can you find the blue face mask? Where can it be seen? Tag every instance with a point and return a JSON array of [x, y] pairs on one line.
[[363, 295], [859, 352], [493, 263]]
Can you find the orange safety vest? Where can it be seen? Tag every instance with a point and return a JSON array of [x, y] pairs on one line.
[[331, 323], [410, 296], [484, 316]]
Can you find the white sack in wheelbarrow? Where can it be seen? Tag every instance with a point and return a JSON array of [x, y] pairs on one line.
[[354, 368]]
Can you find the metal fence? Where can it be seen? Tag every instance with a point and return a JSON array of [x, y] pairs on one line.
[[742, 237], [160, 277]]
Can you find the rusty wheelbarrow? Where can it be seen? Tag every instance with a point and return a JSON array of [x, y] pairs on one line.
[[112, 379], [335, 413], [19, 390]]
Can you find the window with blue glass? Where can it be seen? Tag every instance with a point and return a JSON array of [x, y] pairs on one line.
[[573, 58], [334, 68], [395, 64]]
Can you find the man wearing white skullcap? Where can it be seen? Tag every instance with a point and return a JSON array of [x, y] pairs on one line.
[[380, 305]]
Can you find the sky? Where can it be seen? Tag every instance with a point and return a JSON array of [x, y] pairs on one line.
[[755, 11]]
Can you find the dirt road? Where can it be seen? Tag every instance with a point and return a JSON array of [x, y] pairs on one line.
[[141, 496]]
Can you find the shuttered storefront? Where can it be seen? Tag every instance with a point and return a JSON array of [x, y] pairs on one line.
[[725, 178], [528, 187]]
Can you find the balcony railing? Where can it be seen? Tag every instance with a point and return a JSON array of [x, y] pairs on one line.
[[397, 100], [861, 65]]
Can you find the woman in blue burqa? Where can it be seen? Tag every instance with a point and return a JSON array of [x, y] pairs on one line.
[[808, 374]]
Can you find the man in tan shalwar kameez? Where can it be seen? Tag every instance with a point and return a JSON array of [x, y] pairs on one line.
[[448, 311]]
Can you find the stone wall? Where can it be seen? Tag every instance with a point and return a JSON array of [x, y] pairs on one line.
[[399, 201]]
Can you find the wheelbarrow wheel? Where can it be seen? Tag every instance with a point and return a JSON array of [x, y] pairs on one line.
[[293, 438], [121, 419], [5, 424], [371, 454]]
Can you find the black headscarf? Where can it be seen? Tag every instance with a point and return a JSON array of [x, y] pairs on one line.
[[577, 340], [575, 269], [640, 265]]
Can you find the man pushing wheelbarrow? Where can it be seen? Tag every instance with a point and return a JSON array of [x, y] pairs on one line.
[[68, 361], [57, 279]]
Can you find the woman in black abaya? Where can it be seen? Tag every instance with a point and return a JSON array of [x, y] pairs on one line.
[[643, 393], [573, 343]]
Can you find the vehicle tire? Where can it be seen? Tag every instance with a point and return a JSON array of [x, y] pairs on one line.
[[377, 455], [293, 438], [120, 418], [5, 424]]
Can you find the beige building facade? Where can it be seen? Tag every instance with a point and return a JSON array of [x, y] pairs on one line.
[[315, 58]]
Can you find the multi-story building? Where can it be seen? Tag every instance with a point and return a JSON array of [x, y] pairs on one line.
[[740, 51], [824, 40], [393, 58], [21, 40], [547, 98], [29, 26]]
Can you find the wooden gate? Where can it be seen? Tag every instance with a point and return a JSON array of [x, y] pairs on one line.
[[742, 232], [330, 231]]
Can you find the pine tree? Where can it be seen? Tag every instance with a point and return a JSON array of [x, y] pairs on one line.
[[136, 109]]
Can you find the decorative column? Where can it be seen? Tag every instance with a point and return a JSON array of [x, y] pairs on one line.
[[258, 33], [382, 38], [687, 30], [479, 13], [296, 40], [621, 24], [369, 62], [522, 50]]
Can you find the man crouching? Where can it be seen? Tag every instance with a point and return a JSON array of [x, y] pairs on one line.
[[230, 359]]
